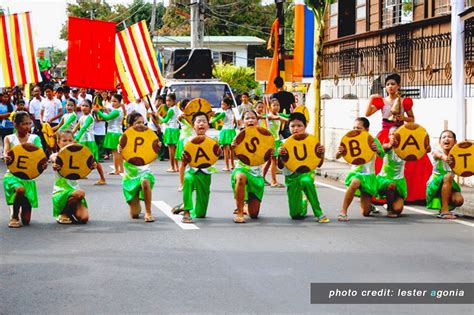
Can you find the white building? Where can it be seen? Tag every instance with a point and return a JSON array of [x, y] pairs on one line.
[[226, 49]]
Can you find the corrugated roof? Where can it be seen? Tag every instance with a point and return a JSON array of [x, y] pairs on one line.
[[248, 40]]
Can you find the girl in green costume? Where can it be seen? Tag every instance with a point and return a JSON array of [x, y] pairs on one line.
[[185, 134], [171, 136], [69, 201], [228, 133], [361, 177], [274, 121], [69, 120], [392, 184], [299, 183], [137, 181], [442, 192], [247, 180], [85, 136], [20, 193], [114, 131]]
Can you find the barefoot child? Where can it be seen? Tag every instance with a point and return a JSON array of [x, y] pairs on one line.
[[247, 180], [184, 135], [196, 179], [274, 119], [442, 192], [138, 181], [299, 183], [85, 136], [69, 120], [391, 179], [361, 177], [19, 192], [114, 131], [171, 136], [228, 133], [69, 203]]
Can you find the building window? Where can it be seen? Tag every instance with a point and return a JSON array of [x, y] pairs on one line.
[[346, 21], [228, 57], [402, 51], [348, 63], [361, 9], [396, 12], [443, 7], [333, 15]]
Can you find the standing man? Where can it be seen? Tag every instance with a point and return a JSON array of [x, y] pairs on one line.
[[287, 103], [34, 107], [51, 109], [140, 106]]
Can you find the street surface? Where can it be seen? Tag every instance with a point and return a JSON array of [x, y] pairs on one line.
[[116, 265]]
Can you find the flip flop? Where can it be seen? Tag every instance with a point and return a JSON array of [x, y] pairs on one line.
[[239, 219], [177, 209], [323, 219], [186, 219], [100, 182], [342, 217], [14, 224], [446, 216], [277, 185], [149, 218], [64, 220]]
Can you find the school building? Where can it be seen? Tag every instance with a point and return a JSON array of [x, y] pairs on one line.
[[367, 39]]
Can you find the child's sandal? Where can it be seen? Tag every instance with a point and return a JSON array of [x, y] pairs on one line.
[[239, 219], [323, 219], [446, 216], [342, 217], [149, 218], [186, 219], [14, 224]]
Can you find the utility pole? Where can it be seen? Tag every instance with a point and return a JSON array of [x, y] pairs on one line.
[[281, 37], [153, 18], [197, 23]]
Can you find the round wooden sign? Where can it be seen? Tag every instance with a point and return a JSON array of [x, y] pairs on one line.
[[303, 110], [203, 151], [254, 146], [413, 142], [197, 105], [462, 155], [27, 161], [302, 154], [357, 150], [76, 161], [140, 145]]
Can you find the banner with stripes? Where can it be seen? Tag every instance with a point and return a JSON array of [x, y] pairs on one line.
[[18, 64], [303, 61], [136, 62]]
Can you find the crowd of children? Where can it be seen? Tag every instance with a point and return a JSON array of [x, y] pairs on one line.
[[74, 118]]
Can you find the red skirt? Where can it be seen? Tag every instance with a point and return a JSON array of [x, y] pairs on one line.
[[417, 173]]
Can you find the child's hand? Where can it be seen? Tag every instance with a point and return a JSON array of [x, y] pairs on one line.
[[44, 164], [219, 152], [393, 142], [186, 158], [160, 144], [374, 147], [7, 159], [321, 150], [340, 151], [282, 151], [56, 167]]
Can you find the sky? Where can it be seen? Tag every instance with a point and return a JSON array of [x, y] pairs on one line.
[[48, 16]]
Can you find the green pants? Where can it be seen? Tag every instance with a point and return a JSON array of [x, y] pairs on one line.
[[100, 145], [201, 183], [297, 184]]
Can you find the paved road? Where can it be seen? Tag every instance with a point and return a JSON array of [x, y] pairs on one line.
[[117, 265]]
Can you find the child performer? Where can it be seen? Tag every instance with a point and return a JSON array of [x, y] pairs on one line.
[[171, 136], [274, 119], [184, 135], [19, 192], [247, 180], [260, 110], [228, 133], [138, 181], [299, 183], [196, 179], [442, 192], [69, 203], [69, 120], [361, 177], [391, 179], [85, 136], [114, 131]]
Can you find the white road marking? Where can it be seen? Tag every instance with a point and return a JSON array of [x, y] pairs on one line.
[[460, 221], [166, 209]]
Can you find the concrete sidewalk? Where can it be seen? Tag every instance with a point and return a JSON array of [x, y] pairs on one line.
[[337, 171]]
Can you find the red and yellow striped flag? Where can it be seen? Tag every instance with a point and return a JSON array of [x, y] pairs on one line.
[[18, 64], [136, 62]]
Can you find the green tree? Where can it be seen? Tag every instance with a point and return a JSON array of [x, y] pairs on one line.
[[240, 79], [124, 15], [319, 8], [57, 55]]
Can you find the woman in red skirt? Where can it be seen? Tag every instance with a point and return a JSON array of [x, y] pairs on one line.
[[418, 172]]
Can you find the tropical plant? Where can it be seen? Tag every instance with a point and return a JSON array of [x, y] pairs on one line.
[[320, 9], [240, 79]]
